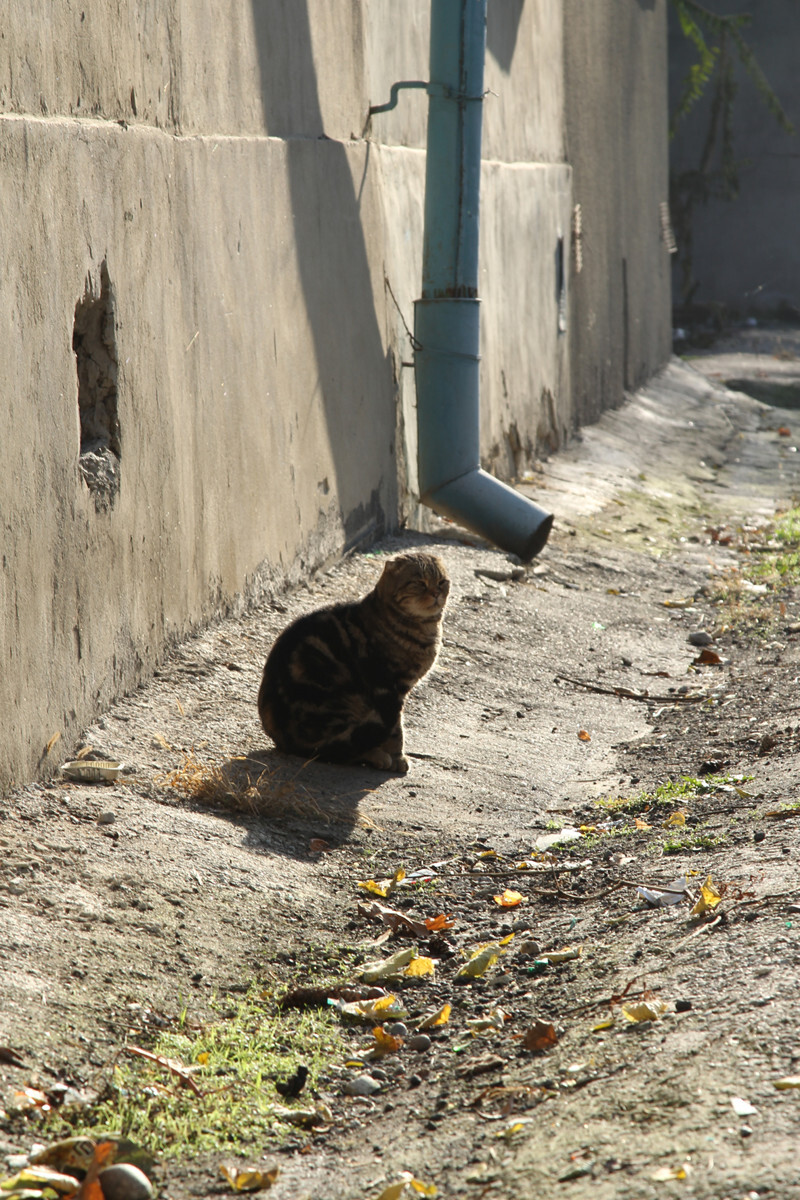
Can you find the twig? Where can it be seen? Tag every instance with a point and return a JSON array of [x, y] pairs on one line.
[[630, 694], [169, 1064]]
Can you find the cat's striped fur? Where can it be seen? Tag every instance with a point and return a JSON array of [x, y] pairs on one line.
[[336, 680]]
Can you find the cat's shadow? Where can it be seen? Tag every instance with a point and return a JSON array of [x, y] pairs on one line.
[[283, 802]]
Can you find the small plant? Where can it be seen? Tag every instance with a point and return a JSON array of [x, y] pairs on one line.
[[232, 1063], [692, 842]]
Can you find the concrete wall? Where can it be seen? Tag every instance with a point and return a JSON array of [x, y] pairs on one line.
[[616, 97], [192, 221], [745, 253]]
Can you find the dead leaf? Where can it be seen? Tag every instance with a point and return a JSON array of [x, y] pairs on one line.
[[173, 1065], [708, 658], [709, 898], [790, 1081], [26, 1098], [784, 431], [385, 968], [248, 1179], [637, 1011], [640, 823], [408, 1185], [479, 963], [442, 921], [440, 1017], [584, 736], [509, 899], [559, 956], [677, 818], [385, 1043], [318, 846], [540, 1036], [420, 966]]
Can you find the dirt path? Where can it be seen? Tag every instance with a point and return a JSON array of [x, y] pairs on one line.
[[123, 905]]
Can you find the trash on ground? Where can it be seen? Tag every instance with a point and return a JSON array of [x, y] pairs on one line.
[[568, 834], [789, 1081], [89, 770], [742, 1108], [660, 897], [370, 1010], [559, 956]]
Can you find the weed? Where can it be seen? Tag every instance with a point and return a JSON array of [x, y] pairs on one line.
[[694, 841], [674, 791], [232, 1063], [236, 786]]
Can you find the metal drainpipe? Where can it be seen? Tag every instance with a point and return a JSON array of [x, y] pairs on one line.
[[446, 319]]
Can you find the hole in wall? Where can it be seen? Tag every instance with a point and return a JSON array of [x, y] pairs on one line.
[[95, 346]]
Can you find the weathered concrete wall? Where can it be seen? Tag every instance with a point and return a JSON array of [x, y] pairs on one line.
[[616, 120], [745, 253], [193, 179]]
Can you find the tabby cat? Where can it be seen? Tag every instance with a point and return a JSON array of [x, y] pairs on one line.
[[336, 680]]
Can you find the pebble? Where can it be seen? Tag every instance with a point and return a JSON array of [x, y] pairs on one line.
[[397, 1029], [759, 835], [107, 818], [699, 637], [529, 948], [123, 1181], [682, 1005], [362, 1085], [419, 1042], [414, 1081]]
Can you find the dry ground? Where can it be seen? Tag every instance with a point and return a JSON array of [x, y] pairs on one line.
[[124, 905]]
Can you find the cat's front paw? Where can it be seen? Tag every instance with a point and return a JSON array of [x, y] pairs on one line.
[[400, 764]]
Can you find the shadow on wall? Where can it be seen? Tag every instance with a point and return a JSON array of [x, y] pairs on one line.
[[502, 28], [334, 273]]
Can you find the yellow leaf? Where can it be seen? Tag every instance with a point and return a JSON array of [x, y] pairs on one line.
[[442, 921], [440, 1017], [480, 962], [488, 854], [248, 1179], [203, 1058], [384, 1002], [790, 1081], [640, 824], [607, 1024], [677, 818], [509, 899], [374, 888], [636, 1011], [421, 966], [372, 972], [709, 898], [386, 1043], [559, 956], [504, 941]]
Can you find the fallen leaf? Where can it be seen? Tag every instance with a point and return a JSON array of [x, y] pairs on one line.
[[385, 968], [584, 736], [370, 1010], [708, 658], [560, 956], [318, 846], [420, 966], [663, 1174], [440, 1017], [385, 1043], [677, 818], [406, 1186], [709, 898], [248, 1179], [789, 1081], [41, 1177], [442, 921], [642, 824], [495, 1020], [52, 742], [601, 1025], [636, 1011], [509, 899], [784, 431], [480, 962], [540, 1036], [395, 919]]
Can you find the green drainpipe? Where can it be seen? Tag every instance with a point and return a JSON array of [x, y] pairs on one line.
[[446, 319]]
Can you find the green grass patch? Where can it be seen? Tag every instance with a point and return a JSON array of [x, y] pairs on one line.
[[233, 1062], [671, 794], [692, 842]]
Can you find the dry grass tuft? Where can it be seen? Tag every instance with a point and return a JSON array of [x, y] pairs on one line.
[[243, 785]]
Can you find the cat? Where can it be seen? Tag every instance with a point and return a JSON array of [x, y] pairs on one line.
[[336, 680]]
